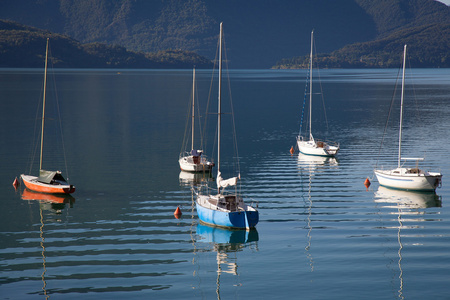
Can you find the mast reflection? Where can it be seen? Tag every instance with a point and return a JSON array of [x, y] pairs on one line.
[[226, 242], [311, 165], [408, 205], [54, 204]]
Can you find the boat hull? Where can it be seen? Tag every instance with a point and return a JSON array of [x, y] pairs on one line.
[[241, 219], [33, 184], [312, 148], [188, 164], [413, 182]]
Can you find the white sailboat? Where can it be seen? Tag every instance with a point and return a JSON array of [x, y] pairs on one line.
[[51, 182], [224, 209], [406, 178], [307, 144], [194, 160]]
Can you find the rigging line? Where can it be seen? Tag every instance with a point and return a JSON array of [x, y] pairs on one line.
[[36, 132], [389, 114], [59, 116], [411, 76], [199, 117], [209, 98], [304, 100], [320, 85], [36, 135], [185, 139], [232, 110]]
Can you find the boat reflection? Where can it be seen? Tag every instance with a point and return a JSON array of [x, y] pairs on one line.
[[407, 199], [226, 242], [194, 179], [52, 204], [225, 237], [310, 165], [311, 160], [409, 207]]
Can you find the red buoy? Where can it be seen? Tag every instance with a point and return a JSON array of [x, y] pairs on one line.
[[16, 183], [177, 213], [367, 183], [292, 150]]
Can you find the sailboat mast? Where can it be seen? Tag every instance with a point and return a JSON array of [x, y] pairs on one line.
[[219, 112], [310, 85], [43, 106], [401, 109], [193, 108]]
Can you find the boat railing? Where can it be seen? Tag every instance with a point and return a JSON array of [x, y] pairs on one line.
[[327, 142], [207, 190], [253, 203], [301, 138], [318, 141], [203, 158]]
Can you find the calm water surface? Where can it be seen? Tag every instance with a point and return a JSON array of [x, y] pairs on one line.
[[322, 234]]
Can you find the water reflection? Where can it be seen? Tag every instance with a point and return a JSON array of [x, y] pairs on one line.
[[194, 179], [407, 204], [226, 243], [313, 162], [310, 165], [53, 204]]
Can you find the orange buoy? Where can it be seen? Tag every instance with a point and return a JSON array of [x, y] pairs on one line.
[[367, 183], [177, 212], [292, 150], [16, 183]]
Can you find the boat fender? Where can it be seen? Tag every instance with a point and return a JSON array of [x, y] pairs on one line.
[[436, 184], [16, 183]]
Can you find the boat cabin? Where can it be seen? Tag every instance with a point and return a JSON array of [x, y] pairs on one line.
[[51, 177]]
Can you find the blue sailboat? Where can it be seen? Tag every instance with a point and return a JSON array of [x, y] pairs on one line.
[[224, 209]]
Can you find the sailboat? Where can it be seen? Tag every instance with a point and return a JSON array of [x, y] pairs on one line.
[[194, 161], [310, 145], [51, 182], [224, 209], [405, 178]]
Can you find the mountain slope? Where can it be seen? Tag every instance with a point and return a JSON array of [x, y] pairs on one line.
[[23, 46], [427, 47], [393, 15], [257, 32]]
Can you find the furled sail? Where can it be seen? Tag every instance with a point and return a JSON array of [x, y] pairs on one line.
[[225, 182]]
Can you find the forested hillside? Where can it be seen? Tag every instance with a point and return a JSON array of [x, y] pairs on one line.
[[428, 46], [258, 33], [394, 15], [23, 46]]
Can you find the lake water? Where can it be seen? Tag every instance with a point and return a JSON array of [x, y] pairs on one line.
[[321, 235]]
